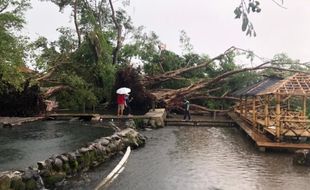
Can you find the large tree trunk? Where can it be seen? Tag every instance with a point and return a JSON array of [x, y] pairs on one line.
[[55, 89], [76, 22], [172, 98], [119, 39], [150, 81]]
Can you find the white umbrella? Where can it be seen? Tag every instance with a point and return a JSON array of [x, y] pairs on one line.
[[123, 90]]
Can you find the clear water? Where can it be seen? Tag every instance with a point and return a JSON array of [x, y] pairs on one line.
[[23, 146]]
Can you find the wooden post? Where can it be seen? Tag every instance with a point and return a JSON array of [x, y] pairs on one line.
[[153, 105], [254, 112], [241, 105], [214, 115], [266, 110], [278, 116], [305, 105], [288, 105]]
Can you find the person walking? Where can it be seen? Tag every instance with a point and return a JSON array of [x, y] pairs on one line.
[[186, 110], [120, 104]]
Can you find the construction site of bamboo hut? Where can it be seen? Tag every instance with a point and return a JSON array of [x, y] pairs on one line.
[[273, 112]]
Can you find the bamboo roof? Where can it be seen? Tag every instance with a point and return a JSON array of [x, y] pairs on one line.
[[257, 88], [298, 85]]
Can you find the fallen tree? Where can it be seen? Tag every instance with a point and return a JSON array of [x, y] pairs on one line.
[[146, 89], [173, 98]]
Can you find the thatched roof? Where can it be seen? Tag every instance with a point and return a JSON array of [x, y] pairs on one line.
[[257, 88], [298, 85]]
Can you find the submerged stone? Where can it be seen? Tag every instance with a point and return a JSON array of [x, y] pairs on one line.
[[302, 157], [5, 182]]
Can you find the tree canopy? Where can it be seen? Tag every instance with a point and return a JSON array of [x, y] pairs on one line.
[[11, 44], [105, 51]]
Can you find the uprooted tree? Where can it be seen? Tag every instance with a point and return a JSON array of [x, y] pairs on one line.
[[219, 85], [85, 66]]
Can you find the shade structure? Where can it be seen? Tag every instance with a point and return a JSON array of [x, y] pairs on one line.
[[123, 90]]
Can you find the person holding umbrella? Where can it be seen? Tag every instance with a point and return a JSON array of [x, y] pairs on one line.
[[121, 102]]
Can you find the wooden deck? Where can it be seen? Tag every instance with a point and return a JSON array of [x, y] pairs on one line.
[[15, 121], [81, 116], [158, 115], [109, 117], [261, 140], [199, 122]]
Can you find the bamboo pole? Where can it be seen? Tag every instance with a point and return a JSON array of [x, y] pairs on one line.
[[278, 114], [266, 110], [254, 112], [246, 107], [288, 105], [305, 105], [241, 105]]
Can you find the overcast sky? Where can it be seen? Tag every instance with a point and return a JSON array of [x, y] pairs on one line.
[[210, 24]]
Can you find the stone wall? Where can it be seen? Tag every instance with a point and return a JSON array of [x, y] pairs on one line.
[[55, 169], [155, 118]]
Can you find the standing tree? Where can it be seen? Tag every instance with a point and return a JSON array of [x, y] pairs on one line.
[[11, 45]]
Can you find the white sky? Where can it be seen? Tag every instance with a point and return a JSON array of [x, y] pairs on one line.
[[209, 23]]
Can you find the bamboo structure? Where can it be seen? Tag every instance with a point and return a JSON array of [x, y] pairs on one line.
[[277, 106]]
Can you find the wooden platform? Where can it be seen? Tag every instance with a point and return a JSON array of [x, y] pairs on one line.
[[199, 122], [82, 116], [109, 117], [261, 140], [15, 121]]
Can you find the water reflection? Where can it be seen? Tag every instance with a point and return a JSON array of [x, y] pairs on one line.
[[208, 158], [22, 146]]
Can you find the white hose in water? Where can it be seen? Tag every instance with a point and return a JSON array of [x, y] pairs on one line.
[[115, 172]]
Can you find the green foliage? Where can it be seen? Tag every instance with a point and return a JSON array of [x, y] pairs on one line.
[[143, 46], [77, 99], [243, 11], [186, 46], [11, 45], [170, 60], [67, 42], [107, 77], [283, 61], [140, 124], [176, 84], [43, 54], [87, 69], [85, 64]]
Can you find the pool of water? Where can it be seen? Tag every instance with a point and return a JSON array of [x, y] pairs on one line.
[[183, 158], [24, 145]]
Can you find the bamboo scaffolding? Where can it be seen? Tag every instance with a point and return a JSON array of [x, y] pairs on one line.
[[269, 107]]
